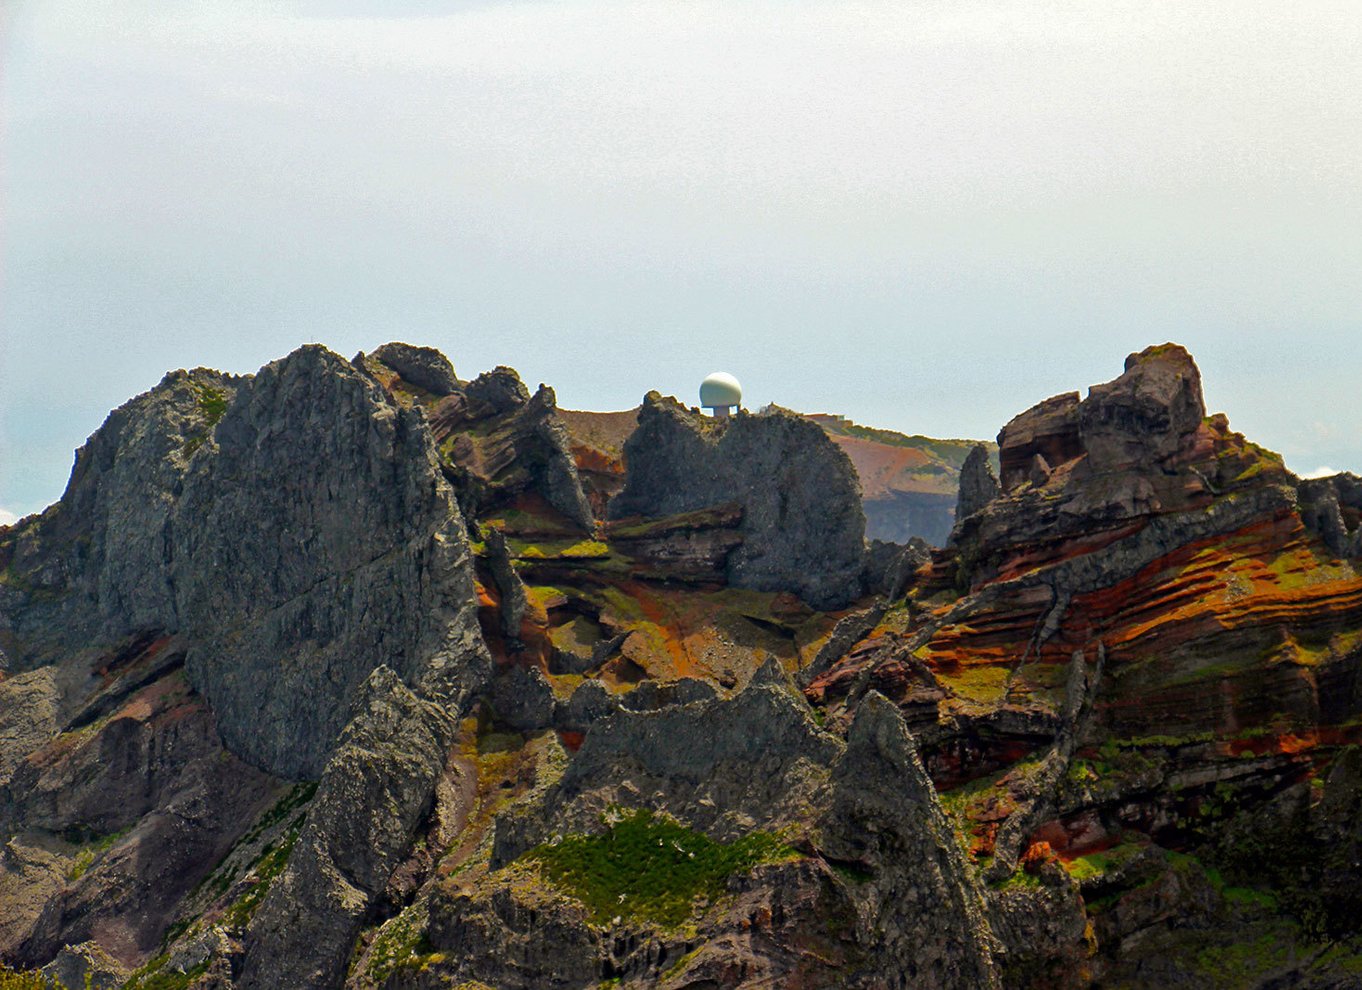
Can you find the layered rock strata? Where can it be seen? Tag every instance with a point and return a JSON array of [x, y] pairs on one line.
[[496, 441], [1130, 526]]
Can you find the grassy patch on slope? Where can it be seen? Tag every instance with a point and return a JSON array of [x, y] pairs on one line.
[[650, 867]]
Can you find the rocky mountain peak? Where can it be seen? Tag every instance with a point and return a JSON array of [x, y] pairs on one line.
[[331, 677], [1147, 416], [802, 528], [1136, 448]]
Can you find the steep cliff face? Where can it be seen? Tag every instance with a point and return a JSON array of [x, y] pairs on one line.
[[317, 542], [801, 525], [293, 527]]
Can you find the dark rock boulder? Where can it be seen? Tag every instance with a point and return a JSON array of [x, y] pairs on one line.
[[424, 367], [589, 703], [1148, 415], [802, 526], [496, 392], [522, 699], [978, 485]]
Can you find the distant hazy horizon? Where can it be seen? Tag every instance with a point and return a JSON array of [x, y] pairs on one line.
[[926, 217]]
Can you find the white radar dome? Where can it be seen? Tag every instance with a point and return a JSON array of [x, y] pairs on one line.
[[720, 390]]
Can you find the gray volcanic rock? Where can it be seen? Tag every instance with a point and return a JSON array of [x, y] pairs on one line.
[[885, 816], [28, 716], [803, 526], [522, 699], [745, 760], [372, 796], [510, 588], [978, 486], [589, 703], [757, 761], [94, 567], [500, 391], [294, 527], [424, 367], [548, 457], [803, 529], [671, 463], [1332, 508], [1321, 512], [321, 542]]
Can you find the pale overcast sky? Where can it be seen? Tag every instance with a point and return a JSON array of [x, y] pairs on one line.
[[925, 215]]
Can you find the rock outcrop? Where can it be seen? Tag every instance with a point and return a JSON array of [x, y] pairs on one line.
[[496, 442], [802, 526], [319, 542], [753, 765], [1078, 473], [424, 367], [95, 567], [978, 485]]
